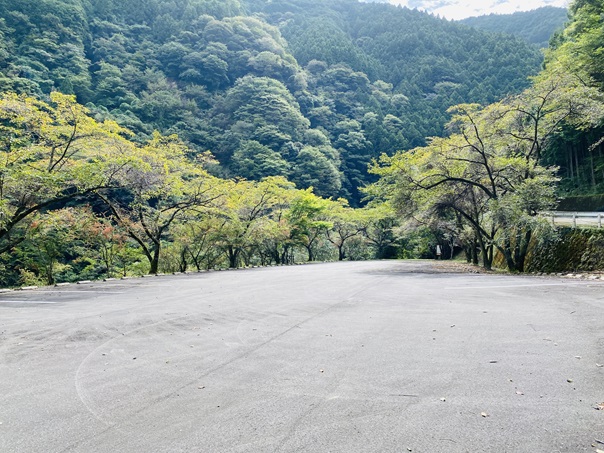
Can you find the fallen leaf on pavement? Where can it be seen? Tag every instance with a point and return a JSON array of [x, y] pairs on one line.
[[484, 414], [599, 407]]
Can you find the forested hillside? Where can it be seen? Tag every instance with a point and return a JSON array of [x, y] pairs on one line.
[[485, 186], [579, 152], [536, 26], [308, 89], [161, 136]]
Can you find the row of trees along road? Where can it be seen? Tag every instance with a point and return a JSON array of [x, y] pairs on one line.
[[80, 199], [484, 182]]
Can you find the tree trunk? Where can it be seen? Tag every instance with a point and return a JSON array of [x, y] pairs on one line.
[[50, 277], [506, 249], [311, 256], [515, 256], [182, 265], [490, 250], [246, 258], [195, 259], [600, 160], [233, 254], [155, 260], [487, 261], [285, 256], [593, 170], [341, 254], [577, 165], [507, 253], [524, 246], [571, 169]]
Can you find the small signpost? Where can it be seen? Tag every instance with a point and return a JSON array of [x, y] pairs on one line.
[[439, 252]]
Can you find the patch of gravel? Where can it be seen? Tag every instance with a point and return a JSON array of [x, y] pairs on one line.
[[459, 267], [594, 275]]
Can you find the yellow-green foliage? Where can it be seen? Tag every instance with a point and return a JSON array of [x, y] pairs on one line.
[[79, 198]]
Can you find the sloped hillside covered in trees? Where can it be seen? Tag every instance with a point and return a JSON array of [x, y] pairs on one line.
[[188, 134], [306, 89], [487, 184], [578, 50]]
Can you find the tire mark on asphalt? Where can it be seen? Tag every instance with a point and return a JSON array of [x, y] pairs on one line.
[[82, 394], [298, 421]]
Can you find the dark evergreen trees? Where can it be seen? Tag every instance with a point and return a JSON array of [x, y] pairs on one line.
[[536, 26], [262, 85]]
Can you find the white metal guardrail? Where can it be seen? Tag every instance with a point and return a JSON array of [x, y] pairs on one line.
[[577, 219]]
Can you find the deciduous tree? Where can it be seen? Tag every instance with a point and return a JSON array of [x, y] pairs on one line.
[[51, 154], [162, 188]]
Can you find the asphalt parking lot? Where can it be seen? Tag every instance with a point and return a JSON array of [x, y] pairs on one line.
[[343, 357]]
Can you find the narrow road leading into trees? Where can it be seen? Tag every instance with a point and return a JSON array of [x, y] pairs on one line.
[[343, 357]]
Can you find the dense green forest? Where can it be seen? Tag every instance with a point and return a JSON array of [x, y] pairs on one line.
[[536, 26], [162, 136], [81, 199], [579, 152], [485, 185], [308, 89]]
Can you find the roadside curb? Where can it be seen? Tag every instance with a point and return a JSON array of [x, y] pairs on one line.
[[202, 271]]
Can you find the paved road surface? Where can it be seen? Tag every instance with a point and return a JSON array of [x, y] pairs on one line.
[[350, 357]]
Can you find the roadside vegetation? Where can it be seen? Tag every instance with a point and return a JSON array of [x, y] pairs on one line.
[[125, 184], [486, 183], [80, 200]]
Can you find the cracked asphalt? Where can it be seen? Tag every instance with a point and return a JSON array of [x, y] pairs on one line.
[[388, 356]]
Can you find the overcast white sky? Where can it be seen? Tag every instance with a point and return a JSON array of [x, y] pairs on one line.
[[459, 9]]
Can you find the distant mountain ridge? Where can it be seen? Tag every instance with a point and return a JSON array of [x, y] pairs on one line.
[[536, 26]]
